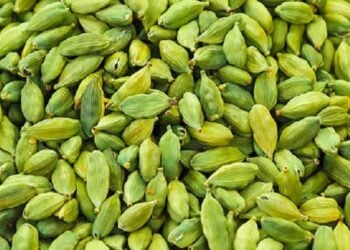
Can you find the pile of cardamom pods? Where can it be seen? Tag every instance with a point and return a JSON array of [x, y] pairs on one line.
[[174, 124]]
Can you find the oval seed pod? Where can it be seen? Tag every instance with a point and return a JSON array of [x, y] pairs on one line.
[[210, 57], [293, 65], [336, 167], [157, 190], [341, 61], [181, 13], [149, 159], [265, 89], [97, 175], [247, 235], [324, 238], [63, 179], [285, 231], [269, 243], [182, 84], [26, 237], [187, 35], [347, 209], [92, 106], [268, 171], [205, 19], [234, 94], [69, 212], [70, 149], [50, 38], [316, 183], [219, 5], [65, 240], [43, 206], [277, 205], [59, 103], [127, 157], [328, 140], [285, 158], [86, 207], [279, 35], [117, 64], [264, 129], [298, 133], [336, 23], [136, 216], [26, 147], [213, 159], [138, 130], [316, 31], [175, 55], [49, 16], [229, 199], [11, 92], [52, 227], [40, 183], [186, 232], [212, 134], [113, 123], [244, 172], [82, 7], [158, 33], [214, 223], [252, 191], [237, 119], [32, 101], [256, 62], [289, 185], [169, 145], [310, 54], [10, 62], [178, 201], [216, 32], [341, 235], [105, 140], [293, 87], [13, 38], [134, 188], [321, 209], [191, 111], [139, 53], [107, 217], [260, 13], [117, 241], [89, 43], [152, 12], [41, 163], [255, 33], [160, 71], [145, 105], [295, 12], [91, 24], [77, 69], [235, 75], [9, 133], [140, 239], [15, 194], [194, 182], [298, 107], [115, 15], [210, 97], [96, 244], [138, 83]]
